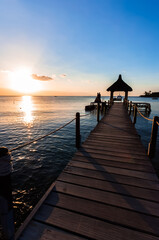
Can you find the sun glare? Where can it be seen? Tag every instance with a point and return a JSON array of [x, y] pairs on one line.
[[22, 81], [27, 108]]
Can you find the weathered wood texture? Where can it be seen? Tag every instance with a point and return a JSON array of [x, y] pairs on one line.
[[108, 191]]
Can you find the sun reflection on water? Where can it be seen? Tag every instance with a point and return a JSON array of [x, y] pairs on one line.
[[27, 108]]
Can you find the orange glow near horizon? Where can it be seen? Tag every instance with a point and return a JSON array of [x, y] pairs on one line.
[[21, 81]]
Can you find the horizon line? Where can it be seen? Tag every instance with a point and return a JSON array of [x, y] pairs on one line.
[[21, 95]]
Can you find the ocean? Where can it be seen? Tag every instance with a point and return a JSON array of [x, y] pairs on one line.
[[37, 165]]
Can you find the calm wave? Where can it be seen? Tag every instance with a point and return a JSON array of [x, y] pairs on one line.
[[36, 166]]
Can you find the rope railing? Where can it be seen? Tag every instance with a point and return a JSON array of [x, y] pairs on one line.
[[154, 131], [46, 135], [84, 115], [144, 116], [39, 138]]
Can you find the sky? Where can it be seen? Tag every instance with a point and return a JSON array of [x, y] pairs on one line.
[[78, 47]]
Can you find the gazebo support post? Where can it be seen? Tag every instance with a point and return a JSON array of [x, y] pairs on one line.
[[111, 95], [126, 95]]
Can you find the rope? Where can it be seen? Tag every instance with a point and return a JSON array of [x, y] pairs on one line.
[[39, 138], [52, 132], [144, 116], [84, 115]]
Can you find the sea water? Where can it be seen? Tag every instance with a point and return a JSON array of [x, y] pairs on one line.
[[37, 165]]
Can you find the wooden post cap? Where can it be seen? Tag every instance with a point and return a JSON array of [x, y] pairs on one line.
[[5, 162], [3, 151]]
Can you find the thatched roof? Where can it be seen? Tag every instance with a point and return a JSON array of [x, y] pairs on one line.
[[119, 85]]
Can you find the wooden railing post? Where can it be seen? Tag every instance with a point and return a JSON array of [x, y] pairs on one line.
[[102, 109], [105, 107], [78, 137], [126, 104], [6, 205], [98, 109], [135, 114], [130, 106], [152, 144]]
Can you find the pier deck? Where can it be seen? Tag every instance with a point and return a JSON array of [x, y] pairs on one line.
[[109, 190]]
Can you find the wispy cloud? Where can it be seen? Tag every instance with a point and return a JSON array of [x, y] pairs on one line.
[[41, 78], [63, 75]]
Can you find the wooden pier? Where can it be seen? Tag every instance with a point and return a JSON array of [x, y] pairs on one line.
[[109, 190]]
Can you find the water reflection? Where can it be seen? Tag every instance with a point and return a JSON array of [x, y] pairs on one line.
[[27, 108]]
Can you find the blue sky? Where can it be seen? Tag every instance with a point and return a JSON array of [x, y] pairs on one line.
[[83, 45]]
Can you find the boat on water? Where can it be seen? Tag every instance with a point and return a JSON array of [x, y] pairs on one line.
[[93, 105], [90, 107], [118, 98]]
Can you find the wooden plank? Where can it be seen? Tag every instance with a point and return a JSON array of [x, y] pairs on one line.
[[87, 226], [110, 153], [114, 153], [124, 189], [112, 137], [118, 143], [132, 181], [108, 148], [131, 166], [113, 157], [120, 171], [106, 135], [104, 212], [95, 133], [115, 143], [37, 230], [111, 125], [131, 203]]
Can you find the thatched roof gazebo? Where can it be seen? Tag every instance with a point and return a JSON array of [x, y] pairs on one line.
[[121, 86]]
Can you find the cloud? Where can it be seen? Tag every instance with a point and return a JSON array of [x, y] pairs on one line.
[[41, 78], [63, 75], [5, 71]]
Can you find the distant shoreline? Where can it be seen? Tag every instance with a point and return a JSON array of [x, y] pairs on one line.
[[151, 95]]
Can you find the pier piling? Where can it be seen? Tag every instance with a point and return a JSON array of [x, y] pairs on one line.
[[135, 114], [152, 144], [78, 137], [98, 109], [6, 205], [130, 106]]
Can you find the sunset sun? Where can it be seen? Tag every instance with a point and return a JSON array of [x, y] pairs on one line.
[[22, 81]]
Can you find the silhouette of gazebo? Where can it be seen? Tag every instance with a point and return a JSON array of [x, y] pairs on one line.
[[119, 86]]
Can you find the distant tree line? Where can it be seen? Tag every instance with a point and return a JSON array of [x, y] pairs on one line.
[[150, 94]]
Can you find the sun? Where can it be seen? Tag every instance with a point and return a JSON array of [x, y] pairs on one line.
[[22, 81]]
